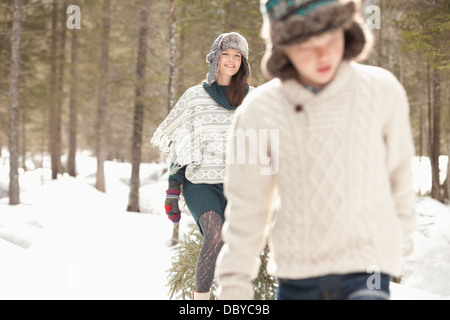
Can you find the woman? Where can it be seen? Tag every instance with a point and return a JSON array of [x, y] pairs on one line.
[[194, 135]]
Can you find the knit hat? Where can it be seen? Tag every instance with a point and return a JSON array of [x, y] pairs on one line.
[[288, 22], [232, 40]]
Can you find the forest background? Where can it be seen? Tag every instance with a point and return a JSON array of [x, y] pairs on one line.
[[101, 78]]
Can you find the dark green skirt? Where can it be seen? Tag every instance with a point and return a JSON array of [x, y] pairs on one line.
[[201, 198]]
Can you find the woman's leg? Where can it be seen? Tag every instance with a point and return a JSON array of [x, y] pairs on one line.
[[211, 224]]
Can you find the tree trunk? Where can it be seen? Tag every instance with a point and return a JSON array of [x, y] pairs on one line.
[[22, 138], [102, 99], [73, 104], [430, 131], [172, 85], [53, 97], [422, 124], [447, 179], [133, 204], [435, 185], [229, 22], [14, 189], [60, 79], [172, 58]]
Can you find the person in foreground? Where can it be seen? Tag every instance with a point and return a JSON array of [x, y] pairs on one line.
[[194, 136], [340, 153]]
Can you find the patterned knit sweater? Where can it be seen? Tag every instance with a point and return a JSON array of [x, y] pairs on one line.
[[195, 132], [343, 181]]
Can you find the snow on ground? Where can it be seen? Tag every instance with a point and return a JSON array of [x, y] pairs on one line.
[[66, 240], [428, 267], [84, 243]]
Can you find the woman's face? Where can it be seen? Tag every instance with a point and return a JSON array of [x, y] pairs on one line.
[[229, 64], [317, 59]]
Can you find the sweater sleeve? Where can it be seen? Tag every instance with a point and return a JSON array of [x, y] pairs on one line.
[[400, 151], [250, 193]]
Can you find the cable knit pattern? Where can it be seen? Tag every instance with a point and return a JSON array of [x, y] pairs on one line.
[[344, 181]]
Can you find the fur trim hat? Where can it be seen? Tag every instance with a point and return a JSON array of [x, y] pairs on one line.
[[288, 22], [232, 40]]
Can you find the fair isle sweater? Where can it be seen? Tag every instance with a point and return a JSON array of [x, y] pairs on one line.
[[195, 132], [343, 181]]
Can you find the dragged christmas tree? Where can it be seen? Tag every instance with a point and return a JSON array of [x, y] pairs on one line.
[[182, 273]]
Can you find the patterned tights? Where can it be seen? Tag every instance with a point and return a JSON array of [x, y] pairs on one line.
[[211, 224]]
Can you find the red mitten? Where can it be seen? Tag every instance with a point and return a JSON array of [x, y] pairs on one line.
[[171, 203]]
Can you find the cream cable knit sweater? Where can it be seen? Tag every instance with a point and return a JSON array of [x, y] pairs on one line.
[[343, 179]]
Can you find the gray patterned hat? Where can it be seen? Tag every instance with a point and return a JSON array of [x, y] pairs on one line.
[[232, 40]]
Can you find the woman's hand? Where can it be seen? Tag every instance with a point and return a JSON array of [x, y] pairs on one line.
[[171, 203]]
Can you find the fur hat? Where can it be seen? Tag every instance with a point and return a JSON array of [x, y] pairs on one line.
[[232, 40], [294, 21]]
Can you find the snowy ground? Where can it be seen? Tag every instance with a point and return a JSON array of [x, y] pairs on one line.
[[69, 241]]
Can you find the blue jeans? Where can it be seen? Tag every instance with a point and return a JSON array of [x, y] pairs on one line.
[[351, 286]]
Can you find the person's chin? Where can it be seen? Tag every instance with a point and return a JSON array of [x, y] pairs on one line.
[[325, 77]]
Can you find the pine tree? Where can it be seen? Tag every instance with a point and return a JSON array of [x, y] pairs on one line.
[[182, 273], [425, 33]]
